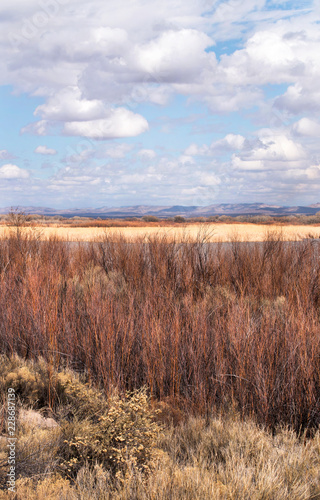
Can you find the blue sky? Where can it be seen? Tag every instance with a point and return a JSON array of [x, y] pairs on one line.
[[160, 103]]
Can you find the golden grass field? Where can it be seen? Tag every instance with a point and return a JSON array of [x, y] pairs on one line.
[[214, 232]]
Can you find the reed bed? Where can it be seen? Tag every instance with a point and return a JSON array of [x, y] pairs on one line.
[[204, 327], [219, 232]]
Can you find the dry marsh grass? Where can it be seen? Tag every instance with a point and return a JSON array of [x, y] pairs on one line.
[[216, 232], [248, 463]]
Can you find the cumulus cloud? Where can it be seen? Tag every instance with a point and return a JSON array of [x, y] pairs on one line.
[[126, 50], [313, 173], [300, 99], [120, 123], [167, 178], [271, 152], [44, 150], [306, 127], [273, 163], [117, 123], [174, 56], [67, 105], [231, 142], [10, 171], [95, 64], [82, 117]]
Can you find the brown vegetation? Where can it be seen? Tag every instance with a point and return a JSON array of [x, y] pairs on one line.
[[206, 327], [154, 221]]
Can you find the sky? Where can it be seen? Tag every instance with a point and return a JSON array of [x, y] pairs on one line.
[[140, 102]]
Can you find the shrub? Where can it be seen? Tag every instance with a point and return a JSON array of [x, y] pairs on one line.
[[116, 432], [122, 435], [30, 380], [225, 218], [150, 218], [179, 219]]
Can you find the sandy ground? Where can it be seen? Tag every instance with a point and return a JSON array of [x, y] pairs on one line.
[[213, 232]]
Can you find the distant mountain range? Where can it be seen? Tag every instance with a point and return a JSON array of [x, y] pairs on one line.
[[232, 209]]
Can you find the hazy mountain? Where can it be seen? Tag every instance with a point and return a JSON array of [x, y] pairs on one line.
[[232, 209]]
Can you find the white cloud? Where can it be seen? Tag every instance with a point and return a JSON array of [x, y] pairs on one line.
[[250, 164], [306, 127], [5, 155], [93, 64], [186, 160], [41, 127], [67, 105], [44, 150], [231, 142], [285, 51], [313, 173], [175, 56], [10, 171], [117, 123], [300, 98], [209, 179], [271, 152], [120, 123], [147, 154], [166, 178], [135, 52], [195, 150]]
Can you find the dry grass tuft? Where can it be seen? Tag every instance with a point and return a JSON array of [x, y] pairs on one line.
[[223, 458]]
